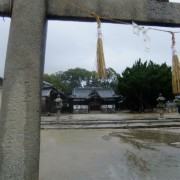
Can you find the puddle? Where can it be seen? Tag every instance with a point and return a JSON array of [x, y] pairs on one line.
[[106, 137], [110, 155]]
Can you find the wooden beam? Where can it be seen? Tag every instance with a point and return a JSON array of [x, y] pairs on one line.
[[146, 12]]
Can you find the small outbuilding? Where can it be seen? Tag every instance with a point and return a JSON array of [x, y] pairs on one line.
[[84, 100], [49, 94]]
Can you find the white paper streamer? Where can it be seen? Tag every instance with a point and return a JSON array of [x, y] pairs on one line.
[[138, 30], [146, 39], [174, 52], [99, 33]]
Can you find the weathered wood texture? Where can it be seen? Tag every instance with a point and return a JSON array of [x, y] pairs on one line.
[[146, 12]]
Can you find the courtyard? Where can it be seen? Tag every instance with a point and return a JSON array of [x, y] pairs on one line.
[[74, 149], [126, 154]]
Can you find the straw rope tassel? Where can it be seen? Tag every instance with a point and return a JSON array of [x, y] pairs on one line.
[[175, 69], [101, 67]]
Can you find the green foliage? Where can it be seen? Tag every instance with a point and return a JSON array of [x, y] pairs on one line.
[[56, 81], [76, 78], [141, 84], [79, 77], [112, 79]]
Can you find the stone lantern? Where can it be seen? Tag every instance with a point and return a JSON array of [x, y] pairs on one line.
[[59, 106], [177, 101], [161, 105]]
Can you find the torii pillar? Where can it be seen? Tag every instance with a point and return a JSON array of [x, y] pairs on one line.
[[20, 110], [20, 113]]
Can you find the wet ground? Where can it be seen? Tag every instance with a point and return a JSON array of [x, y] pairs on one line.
[[145, 154], [118, 120]]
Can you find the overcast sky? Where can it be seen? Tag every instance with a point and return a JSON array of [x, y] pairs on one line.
[[73, 44]]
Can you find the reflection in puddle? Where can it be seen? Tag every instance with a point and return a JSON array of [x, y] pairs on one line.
[[139, 162], [145, 138], [149, 153], [110, 154], [132, 140], [106, 137]]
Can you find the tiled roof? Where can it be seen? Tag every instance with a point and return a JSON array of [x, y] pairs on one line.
[[46, 92], [48, 88], [47, 85], [106, 93], [81, 92], [90, 91]]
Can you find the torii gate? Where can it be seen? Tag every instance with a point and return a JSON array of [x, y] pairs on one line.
[[20, 111]]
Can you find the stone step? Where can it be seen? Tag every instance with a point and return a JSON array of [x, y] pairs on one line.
[[108, 124]]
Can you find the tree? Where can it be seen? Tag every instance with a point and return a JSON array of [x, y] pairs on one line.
[[77, 77], [110, 82], [112, 79], [56, 81], [141, 84]]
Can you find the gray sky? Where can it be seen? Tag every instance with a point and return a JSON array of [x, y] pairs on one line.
[[73, 44]]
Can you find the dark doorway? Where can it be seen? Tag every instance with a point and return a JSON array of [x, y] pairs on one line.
[[94, 104]]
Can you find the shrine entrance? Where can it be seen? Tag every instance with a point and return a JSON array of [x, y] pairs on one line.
[[94, 104], [20, 110]]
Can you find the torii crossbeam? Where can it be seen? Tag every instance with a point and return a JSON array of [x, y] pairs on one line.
[[20, 110]]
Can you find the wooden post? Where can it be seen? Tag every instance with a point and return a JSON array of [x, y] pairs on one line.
[[20, 111]]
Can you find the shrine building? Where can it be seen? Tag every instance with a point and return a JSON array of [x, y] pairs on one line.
[[84, 100]]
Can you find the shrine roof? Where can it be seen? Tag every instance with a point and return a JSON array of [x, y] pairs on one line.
[[87, 92], [48, 88]]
